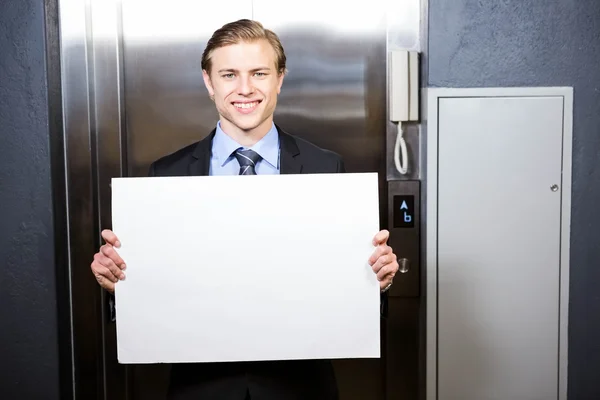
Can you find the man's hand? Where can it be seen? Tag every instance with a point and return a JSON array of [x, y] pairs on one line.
[[108, 266], [383, 261]]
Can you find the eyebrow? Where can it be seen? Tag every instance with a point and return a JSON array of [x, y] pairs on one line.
[[235, 70]]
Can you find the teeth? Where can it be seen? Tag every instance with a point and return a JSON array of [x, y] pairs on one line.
[[246, 105]]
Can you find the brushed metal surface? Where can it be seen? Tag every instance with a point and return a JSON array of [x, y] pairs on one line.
[[111, 158], [77, 87], [334, 94]]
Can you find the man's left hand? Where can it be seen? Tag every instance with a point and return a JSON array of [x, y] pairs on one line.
[[383, 261]]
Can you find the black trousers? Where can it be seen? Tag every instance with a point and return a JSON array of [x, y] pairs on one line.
[[280, 380]]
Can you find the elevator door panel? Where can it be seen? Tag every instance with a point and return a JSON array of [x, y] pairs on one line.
[[334, 92]]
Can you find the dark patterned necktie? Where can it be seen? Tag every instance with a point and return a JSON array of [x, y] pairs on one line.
[[247, 159]]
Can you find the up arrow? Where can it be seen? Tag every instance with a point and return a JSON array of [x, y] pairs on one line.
[[404, 206]]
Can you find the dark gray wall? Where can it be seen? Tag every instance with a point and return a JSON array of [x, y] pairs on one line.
[[474, 43], [28, 315]]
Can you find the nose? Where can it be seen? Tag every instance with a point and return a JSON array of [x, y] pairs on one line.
[[245, 87]]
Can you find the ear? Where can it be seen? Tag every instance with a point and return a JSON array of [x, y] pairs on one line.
[[280, 81], [208, 83]]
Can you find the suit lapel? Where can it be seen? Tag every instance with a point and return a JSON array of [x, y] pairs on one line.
[[290, 154], [200, 166]]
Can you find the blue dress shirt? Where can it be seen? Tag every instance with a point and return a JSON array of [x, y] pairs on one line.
[[223, 162]]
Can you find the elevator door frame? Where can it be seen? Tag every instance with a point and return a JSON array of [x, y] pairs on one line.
[[95, 148]]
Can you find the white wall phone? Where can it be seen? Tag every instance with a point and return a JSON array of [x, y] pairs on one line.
[[403, 95]]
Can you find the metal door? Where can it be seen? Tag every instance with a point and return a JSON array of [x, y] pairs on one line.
[[133, 92], [502, 335]]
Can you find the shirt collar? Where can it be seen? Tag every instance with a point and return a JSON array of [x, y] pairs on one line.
[[268, 147]]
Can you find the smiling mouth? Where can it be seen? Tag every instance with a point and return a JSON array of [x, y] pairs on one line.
[[247, 105]]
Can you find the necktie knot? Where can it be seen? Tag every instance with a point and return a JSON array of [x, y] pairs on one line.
[[247, 160]]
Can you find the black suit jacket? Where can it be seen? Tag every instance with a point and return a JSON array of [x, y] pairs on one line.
[[297, 157], [280, 380]]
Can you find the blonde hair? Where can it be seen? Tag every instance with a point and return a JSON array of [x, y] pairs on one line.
[[243, 30]]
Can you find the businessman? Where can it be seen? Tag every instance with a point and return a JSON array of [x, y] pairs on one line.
[[243, 69]]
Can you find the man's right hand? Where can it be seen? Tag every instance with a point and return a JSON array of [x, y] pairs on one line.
[[108, 266]]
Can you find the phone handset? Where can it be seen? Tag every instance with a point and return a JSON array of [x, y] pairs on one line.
[[404, 100]]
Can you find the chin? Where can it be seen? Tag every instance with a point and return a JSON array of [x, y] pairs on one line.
[[248, 124]]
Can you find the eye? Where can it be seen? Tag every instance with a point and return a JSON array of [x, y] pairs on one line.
[[228, 76], [260, 74]]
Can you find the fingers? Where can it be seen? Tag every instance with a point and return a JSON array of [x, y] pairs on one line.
[[385, 276], [107, 267], [104, 276], [380, 257], [385, 283], [383, 260], [111, 238], [385, 265], [105, 283], [381, 237], [387, 272], [112, 254], [109, 263]]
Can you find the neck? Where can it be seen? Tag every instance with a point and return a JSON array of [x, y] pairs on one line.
[[245, 137]]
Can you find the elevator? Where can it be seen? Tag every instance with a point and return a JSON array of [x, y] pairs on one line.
[[133, 92]]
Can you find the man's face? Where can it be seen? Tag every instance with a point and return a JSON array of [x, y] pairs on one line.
[[244, 83]]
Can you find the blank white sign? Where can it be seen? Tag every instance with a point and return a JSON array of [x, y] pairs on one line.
[[247, 268]]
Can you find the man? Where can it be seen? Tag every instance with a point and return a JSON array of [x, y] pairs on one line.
[[243, 68]]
